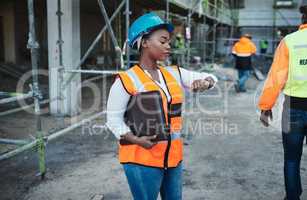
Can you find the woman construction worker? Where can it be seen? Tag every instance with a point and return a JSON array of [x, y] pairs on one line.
[[152, 167], [289, 73]]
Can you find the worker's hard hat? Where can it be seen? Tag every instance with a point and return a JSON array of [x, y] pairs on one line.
[[247, 35], [303, 5], [144, 25]]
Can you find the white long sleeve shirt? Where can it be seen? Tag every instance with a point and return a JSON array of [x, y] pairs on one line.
[[118, 99]]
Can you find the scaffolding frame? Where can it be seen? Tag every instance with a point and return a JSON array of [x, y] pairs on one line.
[[216, 11], [40, 141]]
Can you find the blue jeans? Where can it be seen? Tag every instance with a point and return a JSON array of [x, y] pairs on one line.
[[294, 123], [146, 182], [243, 77]]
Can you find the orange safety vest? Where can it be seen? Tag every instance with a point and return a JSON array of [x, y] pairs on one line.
[[165, 153], [244, 47]]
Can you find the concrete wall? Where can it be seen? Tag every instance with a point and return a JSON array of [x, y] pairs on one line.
[[257, 18], [15, 31], [8, 16], [23, 54], [261, 13]]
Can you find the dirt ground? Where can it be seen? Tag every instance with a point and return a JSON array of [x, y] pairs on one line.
[[228, 155]]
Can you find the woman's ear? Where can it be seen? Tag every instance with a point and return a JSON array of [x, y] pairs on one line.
[[144, 43]]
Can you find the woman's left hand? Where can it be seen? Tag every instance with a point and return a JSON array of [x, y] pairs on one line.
[[201, 85]]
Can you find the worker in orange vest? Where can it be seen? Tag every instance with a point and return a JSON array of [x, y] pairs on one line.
[[289, 73], [243, 51], [153, 167]]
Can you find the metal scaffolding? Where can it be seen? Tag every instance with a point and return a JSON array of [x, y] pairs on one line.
[[41, 140], [39, 143]]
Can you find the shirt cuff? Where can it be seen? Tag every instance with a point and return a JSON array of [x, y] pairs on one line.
[[214, 79]]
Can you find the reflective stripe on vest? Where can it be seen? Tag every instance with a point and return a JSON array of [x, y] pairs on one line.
[[175, 73], [135, 80], [175, 88], [296, 85]]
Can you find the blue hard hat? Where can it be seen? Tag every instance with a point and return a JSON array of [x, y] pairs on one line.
[[144, 25]]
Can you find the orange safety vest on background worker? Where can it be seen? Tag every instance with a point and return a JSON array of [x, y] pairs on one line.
[[243, 50], [165, 153], [244, 47]]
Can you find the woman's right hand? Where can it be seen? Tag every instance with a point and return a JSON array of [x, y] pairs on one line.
[[144, 141]]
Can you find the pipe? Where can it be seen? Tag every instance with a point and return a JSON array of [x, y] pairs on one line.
[[108, 23], [92, 71], [109, 26], [11, 141], [11, 94], [33, 46], [16, 98], [167, 11], [74, 126], [50, 137], [60, 42], [127, 12], [22, 108]]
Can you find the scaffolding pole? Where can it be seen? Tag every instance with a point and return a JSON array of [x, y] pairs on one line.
[[167, 11], [94, 43], [10, 94], [14, 110], [189, 21], [127, 15], [13, 142], [16, 98], [109, 26], [37, 141], [34, 46], [104, 72], [214, 32]]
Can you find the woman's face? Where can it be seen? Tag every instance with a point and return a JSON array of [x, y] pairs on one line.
[[157, 46]]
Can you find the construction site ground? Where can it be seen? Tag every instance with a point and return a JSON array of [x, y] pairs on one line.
[[228, 154]]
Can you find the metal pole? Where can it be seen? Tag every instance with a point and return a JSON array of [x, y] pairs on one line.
[[214, 31], [189, 39], [60, 41], [167, 10], [49, 138], [109, 26], [33, 46], [191, 11], [22, 108], [274, 26], [127, 13], [95, 42], [92, 71], [205, 35], [108, 23], [18, 151], [11, 94], [16, 98], [14, 142]]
